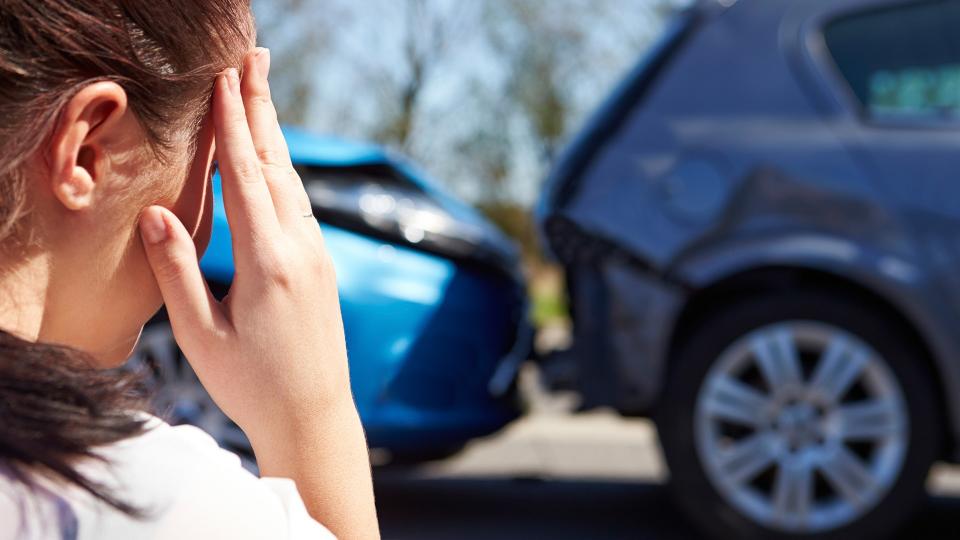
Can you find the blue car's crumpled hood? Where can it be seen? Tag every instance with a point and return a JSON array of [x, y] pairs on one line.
[[326, 151]]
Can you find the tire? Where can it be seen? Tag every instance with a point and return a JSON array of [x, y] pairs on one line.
[[703, 438], [176, 392]]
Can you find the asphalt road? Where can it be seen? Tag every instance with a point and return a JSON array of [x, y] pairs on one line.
[[562, 476], [503, 508]]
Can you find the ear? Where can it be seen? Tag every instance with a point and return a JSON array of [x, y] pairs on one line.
[[78, 151]]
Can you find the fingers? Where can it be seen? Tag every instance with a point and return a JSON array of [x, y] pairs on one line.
[[172, 256], [250, 209], [289, 196]]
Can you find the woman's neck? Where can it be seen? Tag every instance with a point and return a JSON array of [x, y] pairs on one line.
[[23, 295]]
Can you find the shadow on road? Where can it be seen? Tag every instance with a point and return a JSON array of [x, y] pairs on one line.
[[413, 507]]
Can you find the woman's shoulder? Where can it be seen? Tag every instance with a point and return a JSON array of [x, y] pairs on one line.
[[181, 448], [188, 487]]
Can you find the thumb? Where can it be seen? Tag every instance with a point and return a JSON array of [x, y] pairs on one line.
[[193, 310]]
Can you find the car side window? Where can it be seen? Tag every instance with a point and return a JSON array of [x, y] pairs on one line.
[[901, 62]]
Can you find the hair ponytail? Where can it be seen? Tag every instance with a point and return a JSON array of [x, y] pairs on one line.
[[56, 408]]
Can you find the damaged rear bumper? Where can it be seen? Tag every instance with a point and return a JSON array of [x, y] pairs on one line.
[[623, 314]]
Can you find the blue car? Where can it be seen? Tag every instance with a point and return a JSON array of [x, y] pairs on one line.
[[433, 302]]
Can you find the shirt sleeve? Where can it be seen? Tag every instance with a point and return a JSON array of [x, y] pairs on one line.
[[193, 489], [256, 505]]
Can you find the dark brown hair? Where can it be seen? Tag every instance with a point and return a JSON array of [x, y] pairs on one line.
[[55, 407]]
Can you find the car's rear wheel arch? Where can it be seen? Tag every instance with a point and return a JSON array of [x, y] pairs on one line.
[[706, 301]]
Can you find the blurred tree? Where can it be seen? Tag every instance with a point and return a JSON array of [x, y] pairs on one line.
[[485, 149], [425, 36], [535, 40], [483, 94], [298, 32], [563, 55]]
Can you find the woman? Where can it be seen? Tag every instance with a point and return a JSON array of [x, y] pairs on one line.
[[111, 116]]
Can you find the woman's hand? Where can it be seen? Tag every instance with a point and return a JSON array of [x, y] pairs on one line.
[[272, 353]]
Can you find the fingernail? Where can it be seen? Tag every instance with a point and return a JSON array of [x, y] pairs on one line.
[[152, 227], [263, 61], [233, 81]]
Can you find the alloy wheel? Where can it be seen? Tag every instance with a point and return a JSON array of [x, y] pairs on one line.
[[801, 426]]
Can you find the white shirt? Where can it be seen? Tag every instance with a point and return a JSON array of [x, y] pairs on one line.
[[189, 486]]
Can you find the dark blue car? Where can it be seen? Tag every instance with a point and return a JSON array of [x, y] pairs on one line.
[[433, 302], [759, 235]]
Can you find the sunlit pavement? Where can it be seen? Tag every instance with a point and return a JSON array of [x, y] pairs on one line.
[[557, 475]]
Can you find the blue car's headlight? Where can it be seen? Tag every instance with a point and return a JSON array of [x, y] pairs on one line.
[[391, 208], [379, 202]]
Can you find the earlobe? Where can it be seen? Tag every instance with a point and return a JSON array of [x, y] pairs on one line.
[[79, 147], [76, 193]]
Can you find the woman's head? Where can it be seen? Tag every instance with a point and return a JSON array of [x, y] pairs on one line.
[[103, 111]]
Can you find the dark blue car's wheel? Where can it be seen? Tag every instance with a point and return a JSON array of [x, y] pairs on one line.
[[800, 414]]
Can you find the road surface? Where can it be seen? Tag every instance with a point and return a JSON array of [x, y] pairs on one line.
[[557, 475]]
